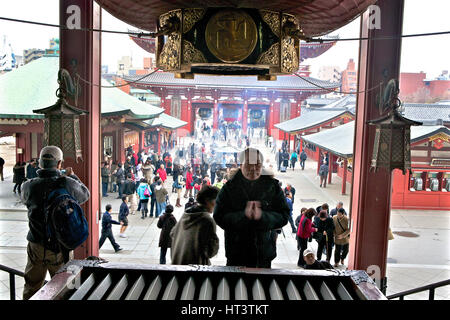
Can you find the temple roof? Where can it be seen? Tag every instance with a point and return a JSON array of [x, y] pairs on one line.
[[33, 86], [310, 50], [166, 121], [283, 82], [311, 119], [339, 140], [427, 112], [316, 17]]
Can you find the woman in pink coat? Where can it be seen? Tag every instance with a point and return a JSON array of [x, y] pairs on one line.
[[189, 180]]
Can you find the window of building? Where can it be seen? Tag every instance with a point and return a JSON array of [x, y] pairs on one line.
[[108, 145], [285, 110], [175, 110]]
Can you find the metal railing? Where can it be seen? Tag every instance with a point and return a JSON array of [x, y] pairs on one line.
[[430, 287], [12, 279]]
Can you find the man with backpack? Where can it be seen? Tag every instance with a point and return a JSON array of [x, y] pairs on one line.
[[45, 251]]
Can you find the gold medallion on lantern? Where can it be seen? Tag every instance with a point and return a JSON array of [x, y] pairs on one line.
[[231, 35]]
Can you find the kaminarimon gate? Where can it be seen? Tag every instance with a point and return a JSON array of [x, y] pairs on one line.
[[252, 103], [378, 62]]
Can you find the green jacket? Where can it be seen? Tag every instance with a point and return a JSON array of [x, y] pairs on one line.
[[106, 172], [248, 242]]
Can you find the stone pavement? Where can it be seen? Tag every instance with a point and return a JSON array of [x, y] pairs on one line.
[[418, 255]]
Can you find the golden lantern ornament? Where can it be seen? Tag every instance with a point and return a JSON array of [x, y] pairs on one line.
[[392, 146], [62, 121]]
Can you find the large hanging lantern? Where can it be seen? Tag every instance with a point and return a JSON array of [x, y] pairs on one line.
[[228, 41], [392, 146], [62, 121], [256, 114], [205, 113]]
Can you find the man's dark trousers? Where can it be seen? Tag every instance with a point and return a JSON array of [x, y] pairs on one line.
[[108, 234], [104, 188], [152, 206], [340, 252], [119, 189]]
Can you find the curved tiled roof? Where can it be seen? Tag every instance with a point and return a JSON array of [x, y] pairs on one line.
[[339, 140], [290, 82], [311, 119], [166, 121], [426, 111], [33, 86]]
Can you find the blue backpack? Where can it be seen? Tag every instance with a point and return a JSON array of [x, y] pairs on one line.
[[64, 220]]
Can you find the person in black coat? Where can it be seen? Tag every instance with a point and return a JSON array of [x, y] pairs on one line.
[[248, 207], [325, 234], [29, 169], [165, 222], [2, 163], [153, 196], [107, 223], [19, 176], [303, 158]]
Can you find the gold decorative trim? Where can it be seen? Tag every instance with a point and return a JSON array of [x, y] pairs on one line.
[[192, 55], [166, 16], [346, 116], [169, 58], [289, 56], [271, 56], [190, 18], [442, 136], [272, 18]]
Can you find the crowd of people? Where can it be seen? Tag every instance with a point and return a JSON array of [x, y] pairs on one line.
[[235, 191]]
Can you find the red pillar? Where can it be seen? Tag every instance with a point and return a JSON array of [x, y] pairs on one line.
[[80, 53], [120, 152], [344, 176], [245, 117], [159, 141], [330, 166], [270, 110], [141, 140], [23, 142], [370, 208], [318, 160], [215, 116]]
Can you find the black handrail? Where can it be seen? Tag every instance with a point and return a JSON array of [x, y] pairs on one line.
[[12, 280], [430, 287]]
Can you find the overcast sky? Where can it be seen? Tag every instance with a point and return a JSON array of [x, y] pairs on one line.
[[428, 54]]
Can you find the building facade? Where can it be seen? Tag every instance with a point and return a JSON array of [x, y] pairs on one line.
[[349, 78]]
